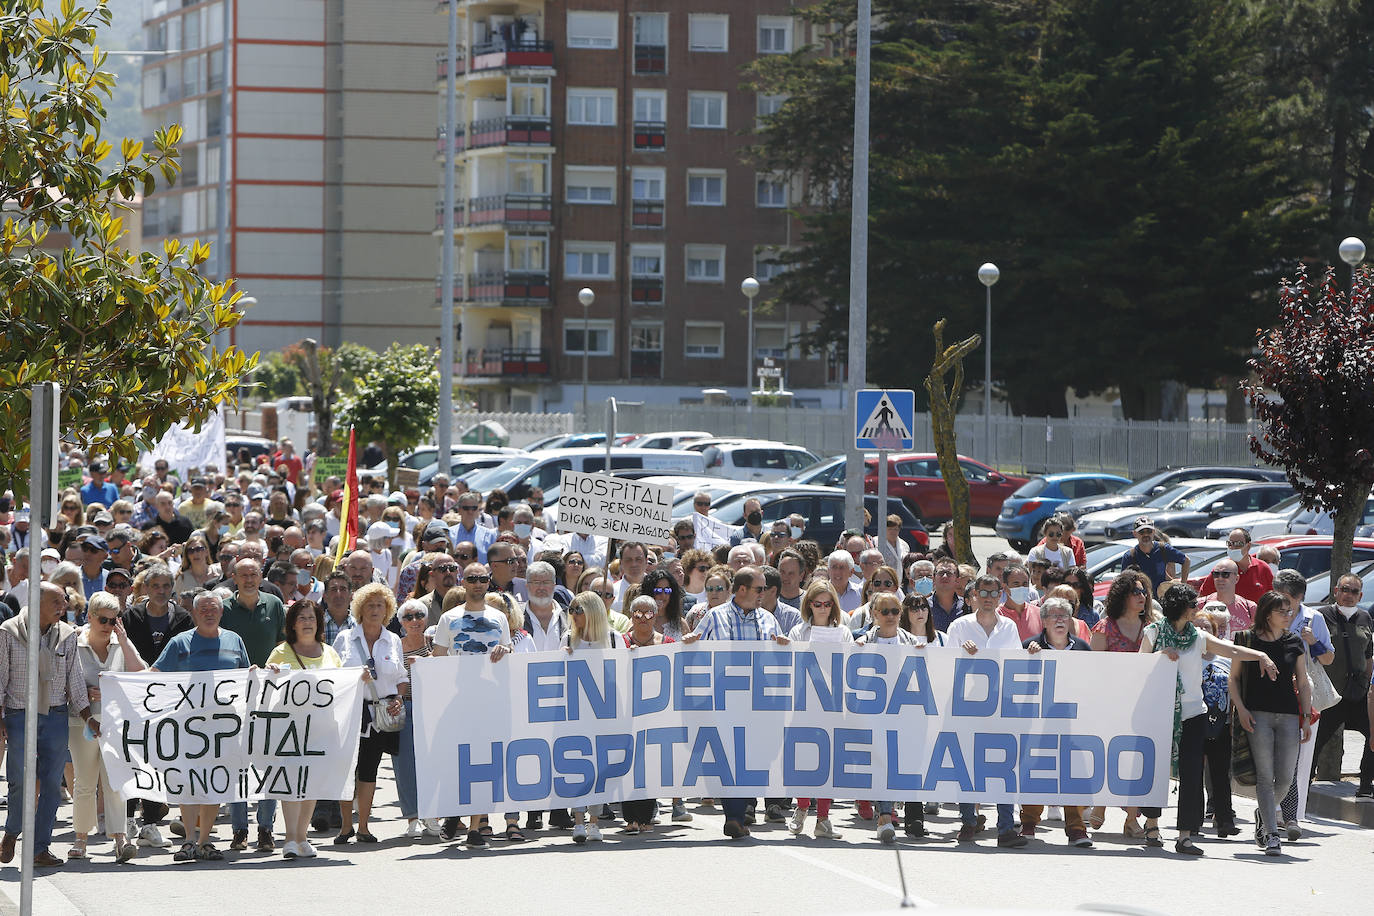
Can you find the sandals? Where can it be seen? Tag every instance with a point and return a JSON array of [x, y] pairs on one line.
[[1133, 829], [513, 834], [209, 853], [343, 838], [78, 850], [1097, 818], [486, 831], [1152, 838]]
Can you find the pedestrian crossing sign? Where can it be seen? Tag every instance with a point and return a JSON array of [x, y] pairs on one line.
[[884, 418]]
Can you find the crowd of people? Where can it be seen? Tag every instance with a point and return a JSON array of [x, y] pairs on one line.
[[245, 569]]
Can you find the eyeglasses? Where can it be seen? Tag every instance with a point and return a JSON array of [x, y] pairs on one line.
[[200, 549], [574, 562], [663, 590], [715, 588], [987, 593], [946, 574], [884, 583], [413, 616], [477, 579], [1222, 574], [1058, 617], [446, 568], [757, 589], [576, 611], [701, 505], [643, 615], [890, 612], [1141, 592], [1074, 582], [507, 560], [106, 621], [1349, 589], [469, 557], [827, 604], [463, 508]]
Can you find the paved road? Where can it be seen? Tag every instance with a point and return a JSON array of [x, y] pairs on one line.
[[691, 869]]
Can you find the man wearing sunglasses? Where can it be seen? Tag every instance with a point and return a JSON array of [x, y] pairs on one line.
[[1352, 636], [1253, 577], [470, 527], [1224, 578], [739, 619]]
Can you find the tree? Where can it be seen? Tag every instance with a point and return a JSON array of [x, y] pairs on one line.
[[395, 402], [128, 335], [275, 378], [942, 409], [1313, 396], [327, 374], [1114, 157]]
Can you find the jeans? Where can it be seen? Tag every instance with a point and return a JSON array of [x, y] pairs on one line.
[[1218, 755], [734, 808], [403, 766], [968, 814], [52, 758], [267, 814], [1274, 747]]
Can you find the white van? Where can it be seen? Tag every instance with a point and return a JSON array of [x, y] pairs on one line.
[[545, 468]]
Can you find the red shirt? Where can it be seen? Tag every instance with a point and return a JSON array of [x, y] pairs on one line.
[[1257, 579], [1027, 622], [293, 466]]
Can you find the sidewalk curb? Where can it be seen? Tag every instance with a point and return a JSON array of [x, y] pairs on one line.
[[1335, 801]]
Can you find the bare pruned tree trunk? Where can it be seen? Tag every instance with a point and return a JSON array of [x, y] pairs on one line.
[[942, 405]]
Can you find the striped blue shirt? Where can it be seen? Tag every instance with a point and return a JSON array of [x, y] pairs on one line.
[[730, 621]]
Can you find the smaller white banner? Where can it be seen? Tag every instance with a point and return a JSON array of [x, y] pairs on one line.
[[225, 736], [628, 510]]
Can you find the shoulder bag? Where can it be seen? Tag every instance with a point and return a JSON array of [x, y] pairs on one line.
[[1242, 764], [383, 719]]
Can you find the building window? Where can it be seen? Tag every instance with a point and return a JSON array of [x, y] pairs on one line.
[[646, 260], [775, 35], [703, 339], [770, 191], [646, 184], [770, 340], [767, 266], [650, 105], [592, 107], [589, 185], [708, 32], [588, 260], [706, 109], [592, 30], [597, 333], [646, 350], [527, 253], [705, 263], [768, 105], [705, 188], [651, 42]]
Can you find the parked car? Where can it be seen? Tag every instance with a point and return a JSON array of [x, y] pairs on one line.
[[1319, 590], [1312, 521], [1190, 517], [828, 472], [462, 466], [545, 468], [1260, 524], [1119, 522], [823, 508], [916, 480], [675, 439], [1040, 497], [256, 446], [751, 459], [427, 456], [1106, 561], [1161, 480]]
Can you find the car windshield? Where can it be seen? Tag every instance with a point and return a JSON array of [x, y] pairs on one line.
[[1166, 499], [1199, 500], [503, 475], [1033, 487], [1141, 487], [810, 470], [682, 502]]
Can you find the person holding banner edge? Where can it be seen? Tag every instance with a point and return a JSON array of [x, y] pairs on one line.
[[738, 619], [589, 628]]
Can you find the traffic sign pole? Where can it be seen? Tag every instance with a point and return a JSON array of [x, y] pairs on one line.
[[882, 503]]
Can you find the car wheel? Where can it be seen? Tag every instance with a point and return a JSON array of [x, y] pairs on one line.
[[1019, 546]]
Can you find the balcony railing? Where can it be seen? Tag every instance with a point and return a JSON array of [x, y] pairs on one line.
[[646, 214], [441, 63], [459, 142], [651, 135], [507, 288], [646, 364], [511, 130], [522, 210], [651, 59], [646, 290], [508, 362], [499, 55]]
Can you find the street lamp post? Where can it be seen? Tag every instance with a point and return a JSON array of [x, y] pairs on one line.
[[988, 275], [750, 288], [586, 297]]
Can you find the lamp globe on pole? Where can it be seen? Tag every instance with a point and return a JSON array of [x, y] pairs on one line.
[[1352, 251], [750, 288]]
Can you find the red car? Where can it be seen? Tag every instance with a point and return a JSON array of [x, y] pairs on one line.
[[916, 480]]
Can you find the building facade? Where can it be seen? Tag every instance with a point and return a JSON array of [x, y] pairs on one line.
[[599, 146], [329, 121]]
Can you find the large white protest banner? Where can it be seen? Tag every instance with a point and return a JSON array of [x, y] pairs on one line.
[[613, 507], [226, 736], [727, 719]]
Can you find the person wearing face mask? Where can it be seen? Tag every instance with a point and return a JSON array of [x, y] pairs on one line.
[[1253, 578], [1351, 668], [531, 537], [752, 529], [1017, 606]]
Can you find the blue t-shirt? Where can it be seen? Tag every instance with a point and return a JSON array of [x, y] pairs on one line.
[[105, 494], [189, 651], [1152, 564]]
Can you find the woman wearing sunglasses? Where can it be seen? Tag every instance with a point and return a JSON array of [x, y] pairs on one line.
[[883, 581], [302, 650], [103, 646], [717, 589], [667, 594], [414, 617], [196, 571], [589, 629], [695, 565], [820, 611]]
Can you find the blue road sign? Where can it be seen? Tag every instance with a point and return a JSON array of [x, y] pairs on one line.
[[884, 419]]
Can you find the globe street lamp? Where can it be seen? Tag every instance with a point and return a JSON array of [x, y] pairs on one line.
[[1352, 251], [988, 274], [750, 288], [586, 297]]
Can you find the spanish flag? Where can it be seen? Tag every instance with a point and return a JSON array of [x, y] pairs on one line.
[[348, 509]]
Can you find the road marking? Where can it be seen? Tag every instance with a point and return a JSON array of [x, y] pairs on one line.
[[846, 873]]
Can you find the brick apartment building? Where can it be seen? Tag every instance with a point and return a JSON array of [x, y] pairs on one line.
[[600, 146]]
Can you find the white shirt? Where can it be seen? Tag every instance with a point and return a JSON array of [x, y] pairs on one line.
[[386, 654], [1004, 634], [592, 547], [543, 639]]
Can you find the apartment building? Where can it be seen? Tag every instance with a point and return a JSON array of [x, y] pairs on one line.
[[599, 146], [331, 159]]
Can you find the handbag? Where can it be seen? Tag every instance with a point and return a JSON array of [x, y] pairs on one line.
[[1242, 763], [1324, 694], [383, 719]]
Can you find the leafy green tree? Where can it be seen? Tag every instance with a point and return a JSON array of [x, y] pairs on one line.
[[326, 374], [1115, 159], [128, 335], [395, 402], [1313, 395], [276, 378]]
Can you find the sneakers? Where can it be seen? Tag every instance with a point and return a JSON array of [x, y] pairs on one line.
[[1080, 839], [476, 839], [305, 850], [187, 853], [593, 833], [414, 830], [887, 834], [431, 826], [265, 841], [125, 852], [177, 827], [1366, 790], [967, 833], [1028, 828], [1011, 840], [932, 809], [776, 815], [680, 813], [798, 823], [151, 836], [239, 842], [579, 833], [824, 831], [1272, 846], [1294, 831], [288, 850], [749, 816], [866, 810]]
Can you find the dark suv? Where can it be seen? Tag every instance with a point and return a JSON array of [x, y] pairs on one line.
[[823, 508]]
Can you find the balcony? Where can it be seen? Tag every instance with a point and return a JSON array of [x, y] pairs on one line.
[[441, 63], [511, 130], [646, 290], [646, 214], [507, 362], [646, 364], [499, 55], [651, 59], [513, 288], [651, 135], [522, 210]]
